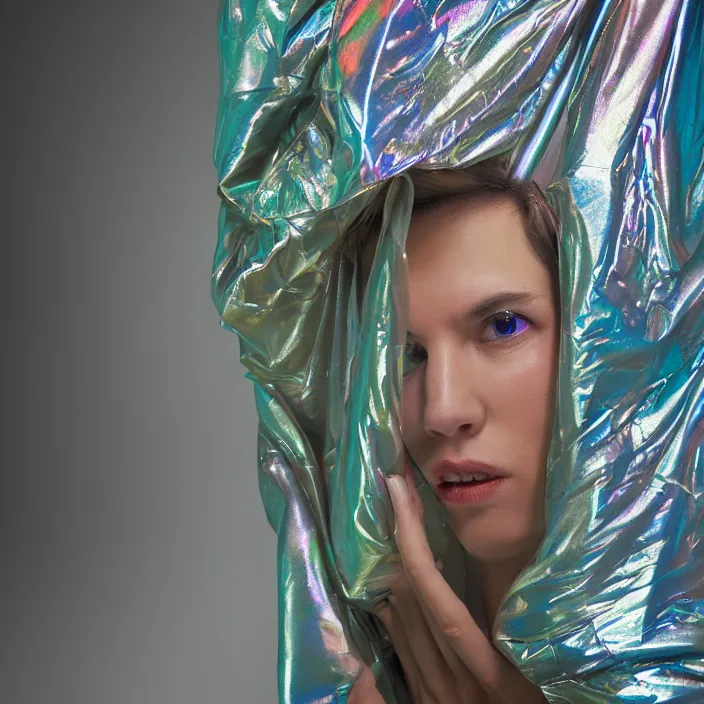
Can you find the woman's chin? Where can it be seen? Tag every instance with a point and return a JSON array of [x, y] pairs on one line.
[[487, 547]]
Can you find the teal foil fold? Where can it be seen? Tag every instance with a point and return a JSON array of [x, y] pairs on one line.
[[324, 104]]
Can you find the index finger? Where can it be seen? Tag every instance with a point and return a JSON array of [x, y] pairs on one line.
[[454, 620]]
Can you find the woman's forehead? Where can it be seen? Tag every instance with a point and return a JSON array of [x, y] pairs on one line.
[[470, 253], [486, 205], [458, 226]]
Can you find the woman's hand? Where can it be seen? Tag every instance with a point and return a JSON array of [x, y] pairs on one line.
[[445, 656], [364, 689]]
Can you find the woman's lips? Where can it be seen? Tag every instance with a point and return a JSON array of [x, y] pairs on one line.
[[466, 492], [471, 493], [441, 468]]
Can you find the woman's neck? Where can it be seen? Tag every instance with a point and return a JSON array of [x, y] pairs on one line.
[[495, 579]]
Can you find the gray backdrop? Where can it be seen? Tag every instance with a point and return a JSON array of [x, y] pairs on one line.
[[139, 567]]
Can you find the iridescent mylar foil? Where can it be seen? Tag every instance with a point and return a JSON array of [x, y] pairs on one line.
[[322, 103]]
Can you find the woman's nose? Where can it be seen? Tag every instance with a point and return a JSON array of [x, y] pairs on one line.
[[453, 403]]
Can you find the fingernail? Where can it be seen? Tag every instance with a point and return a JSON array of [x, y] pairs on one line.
[[397, 486]]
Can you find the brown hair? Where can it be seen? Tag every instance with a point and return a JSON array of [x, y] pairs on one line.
[[487, 177]]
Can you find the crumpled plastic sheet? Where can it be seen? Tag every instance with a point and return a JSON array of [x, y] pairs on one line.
[[321, 103]]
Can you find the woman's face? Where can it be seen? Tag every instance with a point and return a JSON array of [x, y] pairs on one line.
[[479, 370]]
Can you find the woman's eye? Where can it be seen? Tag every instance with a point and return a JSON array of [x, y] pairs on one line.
[[504, 326], [413, 355]]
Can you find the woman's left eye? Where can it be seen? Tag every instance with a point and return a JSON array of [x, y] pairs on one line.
[[505, 325], [413, 356]]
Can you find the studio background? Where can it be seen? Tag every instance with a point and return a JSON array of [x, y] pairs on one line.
[[139, 567]]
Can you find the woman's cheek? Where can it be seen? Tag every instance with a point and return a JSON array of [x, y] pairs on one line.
[[529, 396]]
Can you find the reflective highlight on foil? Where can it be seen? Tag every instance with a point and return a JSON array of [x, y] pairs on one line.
[[321, 103]]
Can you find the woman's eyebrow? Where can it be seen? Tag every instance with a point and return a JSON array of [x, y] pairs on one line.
[[498, 302]]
